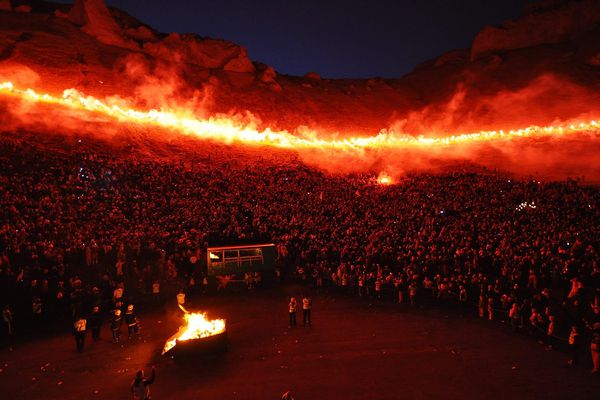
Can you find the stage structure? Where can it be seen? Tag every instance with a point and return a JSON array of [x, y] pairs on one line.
[[238, 260]]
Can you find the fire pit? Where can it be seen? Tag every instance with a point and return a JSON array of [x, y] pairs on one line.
[[199, 336]]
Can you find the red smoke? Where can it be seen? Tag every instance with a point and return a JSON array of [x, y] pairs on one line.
[[546, 100]]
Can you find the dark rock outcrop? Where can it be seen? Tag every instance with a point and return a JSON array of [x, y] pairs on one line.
[[206, 53], [94, 19], [547, 22]]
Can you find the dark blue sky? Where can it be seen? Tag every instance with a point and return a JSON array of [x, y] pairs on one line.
[[338, 39]]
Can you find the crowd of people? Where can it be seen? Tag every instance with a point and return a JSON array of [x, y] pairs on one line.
[[79, 227]]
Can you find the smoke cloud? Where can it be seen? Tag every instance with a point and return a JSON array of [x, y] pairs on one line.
[[548, 100]]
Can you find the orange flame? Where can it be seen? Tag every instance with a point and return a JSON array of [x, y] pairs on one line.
[[385, 179], [228, 131], [197, 327]]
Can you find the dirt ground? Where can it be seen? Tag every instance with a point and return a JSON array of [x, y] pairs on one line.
[[356, 349]]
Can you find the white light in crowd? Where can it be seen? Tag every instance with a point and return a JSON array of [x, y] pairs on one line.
[[525, 205]]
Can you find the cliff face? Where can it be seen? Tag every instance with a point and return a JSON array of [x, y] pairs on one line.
[[534, 70], [547, 22], [207, 53], [96, 20]]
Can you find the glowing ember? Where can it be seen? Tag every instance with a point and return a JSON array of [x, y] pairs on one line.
[[384, 179], [524, 205], [228, 131], [197, 327]]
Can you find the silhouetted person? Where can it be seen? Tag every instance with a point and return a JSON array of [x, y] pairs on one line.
[[115, 325], [140, 387], [574, 344], [131, 321], [79, 328], [287, 396], [95, 322], [306, 310], [293, 307], [7, 317]]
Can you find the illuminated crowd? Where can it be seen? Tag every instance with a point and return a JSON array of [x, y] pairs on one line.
[[74, 227]]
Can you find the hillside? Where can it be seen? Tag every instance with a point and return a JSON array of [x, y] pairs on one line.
[[507, 79], [542, 68]]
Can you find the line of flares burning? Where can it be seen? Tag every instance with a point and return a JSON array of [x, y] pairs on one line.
[[228, 131]]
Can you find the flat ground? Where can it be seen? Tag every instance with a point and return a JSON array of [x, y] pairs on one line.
[[355, 350]]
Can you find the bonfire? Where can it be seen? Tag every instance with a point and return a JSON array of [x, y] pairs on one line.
[[197, 327]]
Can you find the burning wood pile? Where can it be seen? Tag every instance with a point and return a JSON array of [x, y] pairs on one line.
[[198, 335]]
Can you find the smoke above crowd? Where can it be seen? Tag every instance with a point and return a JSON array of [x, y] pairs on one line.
[[546, 129]]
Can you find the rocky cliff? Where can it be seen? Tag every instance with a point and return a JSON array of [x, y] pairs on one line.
[[552, 21], [536, 69]]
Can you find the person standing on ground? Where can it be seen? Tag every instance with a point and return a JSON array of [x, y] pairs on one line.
[[36, 310], [181, 298], [204, 284], [574, 344], [378, 288], [131, 321], [7, 317], [79, 328], [306, 311], [140, 387], [156, 292], [462, 295], [515, 316], [412, 293], [490, 308], [287, 396], [95, 321], [115, 325], [293, 307], [361, 285]]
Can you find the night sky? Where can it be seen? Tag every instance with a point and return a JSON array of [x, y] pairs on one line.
[[338, 39]]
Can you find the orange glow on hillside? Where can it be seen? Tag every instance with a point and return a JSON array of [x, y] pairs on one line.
[[385, 179], [227, 130]]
